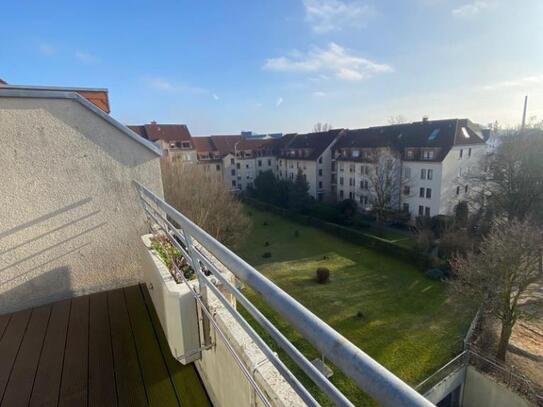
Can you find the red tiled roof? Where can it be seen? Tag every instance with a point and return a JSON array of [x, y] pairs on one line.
[[98, 98], [225, 144], [203, 144], [170, 133]]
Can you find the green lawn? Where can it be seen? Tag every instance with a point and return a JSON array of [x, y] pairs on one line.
[[385, 306]]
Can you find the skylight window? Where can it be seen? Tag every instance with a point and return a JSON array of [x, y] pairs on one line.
[[434, 134], [465, 132]]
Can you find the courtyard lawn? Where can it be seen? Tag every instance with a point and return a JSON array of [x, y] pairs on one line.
[[387, 307]]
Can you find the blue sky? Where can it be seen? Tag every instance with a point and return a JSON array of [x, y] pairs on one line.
[[283, 65]]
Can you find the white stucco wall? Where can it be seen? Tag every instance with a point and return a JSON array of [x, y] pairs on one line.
[[70, 219], [416, 182], [457, 172], [481, 390]]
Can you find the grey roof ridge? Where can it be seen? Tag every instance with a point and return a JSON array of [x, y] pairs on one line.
[[54, 88], [47, 94]]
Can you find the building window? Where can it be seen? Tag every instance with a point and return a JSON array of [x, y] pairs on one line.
[[427, 212], [430, 174], [421, 193], [351, 182], [340, 180], [340, 194], [246, 165], [218, 167], [280, 162], [457, 190], [466, 189], [421, 210], [320, 172], [320, 184], [260, 163], [428, 155], [233, 171], [406, 190], [428, 193], [407, 172], [320, 160], [410, 154], [405, 207], [233, 182], [238, 166], [469, 152], [269, 163], [232, 161], [422, 173], [461, 153]]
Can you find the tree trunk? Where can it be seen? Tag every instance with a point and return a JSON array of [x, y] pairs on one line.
[[507, 329]]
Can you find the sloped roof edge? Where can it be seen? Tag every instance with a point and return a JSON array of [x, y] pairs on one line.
[[47, 94]]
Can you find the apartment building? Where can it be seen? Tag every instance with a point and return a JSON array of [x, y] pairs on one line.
[[175, 140], [311, 154], [428, 164]]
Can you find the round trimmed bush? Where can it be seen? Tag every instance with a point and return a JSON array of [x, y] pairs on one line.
[[323, 275]]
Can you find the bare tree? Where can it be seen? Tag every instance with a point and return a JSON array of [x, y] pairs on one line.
[[385, 182], [511, 183], [500, 273], [397, 119], [206, 200], [321, 127]]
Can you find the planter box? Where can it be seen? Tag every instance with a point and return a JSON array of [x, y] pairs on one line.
[[175, 306]]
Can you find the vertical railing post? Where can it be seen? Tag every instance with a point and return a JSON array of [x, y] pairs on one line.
[[196, 265]]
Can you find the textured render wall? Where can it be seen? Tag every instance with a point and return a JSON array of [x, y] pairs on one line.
[[415, 183], [481, 391], [450, 179], [70, 220]]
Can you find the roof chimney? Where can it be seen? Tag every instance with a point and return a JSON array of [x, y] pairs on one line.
[[425, 119]]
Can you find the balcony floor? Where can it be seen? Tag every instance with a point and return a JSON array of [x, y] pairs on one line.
[[104, 349]]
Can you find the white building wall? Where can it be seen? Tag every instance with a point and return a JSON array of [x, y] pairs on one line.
[[71, 218], [415, 175], [461, 163], [288, 169]]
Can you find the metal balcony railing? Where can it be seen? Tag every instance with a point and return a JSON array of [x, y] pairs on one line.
[[368, 374]]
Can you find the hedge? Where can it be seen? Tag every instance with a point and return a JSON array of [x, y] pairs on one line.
[[346, 233]]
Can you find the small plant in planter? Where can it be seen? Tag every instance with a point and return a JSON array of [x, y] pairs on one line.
[[266, 244], [323, 275], [169, 254], [267, 255]]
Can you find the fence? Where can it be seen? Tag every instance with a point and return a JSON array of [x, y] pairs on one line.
[[368, 374]]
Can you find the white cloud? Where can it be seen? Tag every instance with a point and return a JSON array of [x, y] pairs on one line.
[[46, 49], [164, 85], [334, 15], [334, 60], [526, 82], [470, 9], [279, 101], [215, 96], [319, 94], [85, 57]]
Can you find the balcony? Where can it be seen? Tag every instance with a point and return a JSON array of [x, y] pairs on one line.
[[179, 339]]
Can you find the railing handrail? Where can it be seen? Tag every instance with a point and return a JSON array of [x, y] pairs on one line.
[[374, 379]]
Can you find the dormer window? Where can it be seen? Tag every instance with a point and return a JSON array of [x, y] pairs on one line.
[[185, 144], [356, 153], [428, 154], [410, 154]]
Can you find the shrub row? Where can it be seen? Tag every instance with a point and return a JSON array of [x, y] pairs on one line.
[[343, 232]]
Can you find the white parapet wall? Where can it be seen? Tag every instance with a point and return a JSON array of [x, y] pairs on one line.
[[481, 390], [223, 379]]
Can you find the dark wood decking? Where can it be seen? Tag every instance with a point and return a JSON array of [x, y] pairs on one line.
[[104, 349]]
